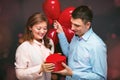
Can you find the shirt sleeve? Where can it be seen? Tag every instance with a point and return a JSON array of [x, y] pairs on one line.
[[63, 43], [21, 65], [98, 63]]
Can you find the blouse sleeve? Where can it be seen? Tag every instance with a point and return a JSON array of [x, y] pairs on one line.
[[21, 65], [52, 44]]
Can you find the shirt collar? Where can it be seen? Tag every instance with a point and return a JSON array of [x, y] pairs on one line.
[[87, 34], [78, 38], [35, 41]]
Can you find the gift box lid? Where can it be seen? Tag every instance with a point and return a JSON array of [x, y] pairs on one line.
[[57, 59]]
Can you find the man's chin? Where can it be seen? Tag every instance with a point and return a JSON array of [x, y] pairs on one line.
[[76, 35]]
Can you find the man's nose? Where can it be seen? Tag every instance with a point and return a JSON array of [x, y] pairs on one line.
[[72, 28]]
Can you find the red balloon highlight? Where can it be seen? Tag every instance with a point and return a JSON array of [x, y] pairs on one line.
[[65, 17], [52, 9], [53, 35], [68, 33]]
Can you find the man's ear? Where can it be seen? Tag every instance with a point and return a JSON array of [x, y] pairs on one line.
[[88, 24]]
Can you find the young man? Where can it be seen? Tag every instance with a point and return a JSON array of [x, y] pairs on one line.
[[86, 52]]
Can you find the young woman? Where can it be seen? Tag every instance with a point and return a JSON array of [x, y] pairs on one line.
[[32, 52]]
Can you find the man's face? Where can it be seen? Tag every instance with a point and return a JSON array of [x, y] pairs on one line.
[[79, 27]]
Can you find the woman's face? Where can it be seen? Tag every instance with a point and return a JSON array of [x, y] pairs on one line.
[[39, 30]]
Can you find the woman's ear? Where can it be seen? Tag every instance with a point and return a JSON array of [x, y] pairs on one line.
[[30, 28]]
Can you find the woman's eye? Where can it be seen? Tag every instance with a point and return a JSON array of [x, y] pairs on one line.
[[41, 28], [45, 28]]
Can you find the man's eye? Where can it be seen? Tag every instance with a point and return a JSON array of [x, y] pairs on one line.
[[77, 25], [38, 28]]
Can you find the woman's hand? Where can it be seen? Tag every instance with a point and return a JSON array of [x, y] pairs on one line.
[[47, 67]]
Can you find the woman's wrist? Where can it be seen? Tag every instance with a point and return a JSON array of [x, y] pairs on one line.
[[41, 69]]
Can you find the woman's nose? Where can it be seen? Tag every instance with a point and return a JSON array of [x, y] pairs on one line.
[[42, 31]]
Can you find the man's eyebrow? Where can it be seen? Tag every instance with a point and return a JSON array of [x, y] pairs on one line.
[[76, 24]]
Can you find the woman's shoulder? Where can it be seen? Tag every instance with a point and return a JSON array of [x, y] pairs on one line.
[[23, 49], [25, 44]]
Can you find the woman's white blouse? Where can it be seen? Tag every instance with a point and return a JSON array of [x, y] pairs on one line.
[[29, 58]]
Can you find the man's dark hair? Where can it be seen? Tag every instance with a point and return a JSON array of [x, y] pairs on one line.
[[83, 12]]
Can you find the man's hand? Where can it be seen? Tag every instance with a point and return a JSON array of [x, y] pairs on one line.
[[67, 71], [58, 26]]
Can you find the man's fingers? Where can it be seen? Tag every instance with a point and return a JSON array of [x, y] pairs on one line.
[[64, 65], [55, 24]]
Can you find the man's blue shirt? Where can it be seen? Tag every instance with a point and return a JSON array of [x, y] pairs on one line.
[[86, 56]]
